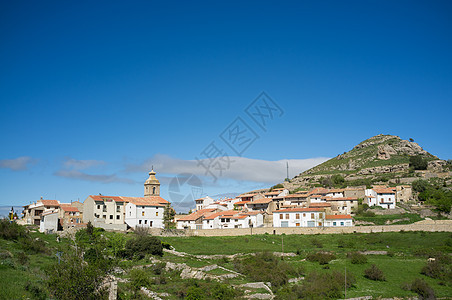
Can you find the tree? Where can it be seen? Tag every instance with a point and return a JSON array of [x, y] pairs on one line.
[[73, 278], [168, 216], [337, 179], [418, 162], [411, 140]]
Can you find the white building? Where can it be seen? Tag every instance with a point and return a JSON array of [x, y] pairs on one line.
[[117, 212], [194, 220], [233, 219], [203, 202], [338, 220], [383, 197], [145, 211], [49, 221], [299, 217]]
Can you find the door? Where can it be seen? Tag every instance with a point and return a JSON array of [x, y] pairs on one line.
[[284, 223], [311, 223]]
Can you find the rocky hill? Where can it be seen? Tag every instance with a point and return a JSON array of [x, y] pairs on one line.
[[382, 158]]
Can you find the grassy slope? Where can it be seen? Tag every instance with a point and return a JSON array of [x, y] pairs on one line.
[[400, 268]]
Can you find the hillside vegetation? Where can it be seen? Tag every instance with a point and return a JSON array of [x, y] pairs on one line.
[[378, 265]]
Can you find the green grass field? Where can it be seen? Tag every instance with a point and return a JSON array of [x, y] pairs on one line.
[[407, 254]]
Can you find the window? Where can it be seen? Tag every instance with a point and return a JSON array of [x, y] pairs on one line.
[[312, 216], [104, 216], [145, 221], [281, 216], [118, 217], [142, 213], [342, 223], [118, 208], [153, 190], [157, 213], [111, 217], [287, 216], [139, 221], [297, 216], [304, 215], [297, 224], [150, 224], [320, 223], [98, 206], [334, 223]]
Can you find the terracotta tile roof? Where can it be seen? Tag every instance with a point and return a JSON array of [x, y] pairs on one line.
[[247, 195], [260, 201], [301, 209], [146, 201], [242, 202], [69, 208], [50, 202], [196, 215], [316, 196], [296, 196], [251, 213], [143, 201], [272, 193], [321, 204], [338, 217], [339, 198], [102, 198], [226, 214], [49, 212], [384, 190]]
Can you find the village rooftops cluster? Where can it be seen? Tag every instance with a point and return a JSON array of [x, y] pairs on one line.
[[319, 207]]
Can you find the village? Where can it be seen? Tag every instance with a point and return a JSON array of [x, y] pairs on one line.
[[318, 207]]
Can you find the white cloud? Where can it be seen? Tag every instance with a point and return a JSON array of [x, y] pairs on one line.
[[17, 164], [75, 174], [240, 168], [76, 164]]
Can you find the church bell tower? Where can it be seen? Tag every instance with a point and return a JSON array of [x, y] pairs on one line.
[[152, 185]]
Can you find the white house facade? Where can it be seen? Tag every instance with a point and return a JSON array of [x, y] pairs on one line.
[[299, 217], [338, 221]]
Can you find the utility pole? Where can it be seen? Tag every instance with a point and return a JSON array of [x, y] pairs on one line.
[[287, 165]]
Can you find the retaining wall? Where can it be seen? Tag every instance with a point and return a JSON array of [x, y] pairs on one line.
[[442, 225]]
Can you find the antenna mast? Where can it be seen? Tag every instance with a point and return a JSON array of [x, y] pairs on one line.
[[287, 165]]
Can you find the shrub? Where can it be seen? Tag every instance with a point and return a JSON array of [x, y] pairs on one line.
[[158, 268], [11, 230], [33, 245], [141, 245], [22, 258], [139, 278], [316, 243], [357, 258], [321, 257], [374, 273], [166, 245], [418, 162], [36, 290], [319, 286], [266, 267], [420, 287]]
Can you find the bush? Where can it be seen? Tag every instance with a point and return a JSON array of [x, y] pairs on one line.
[[418, 162], [357, 258], [267, 268], [139, 278], [166, 245], [22, 258], [33, 245], [420, 287], [321, 257], [316, 243], [141, 245], [374, 273], [319, 286], [11, 230], [36, 290]]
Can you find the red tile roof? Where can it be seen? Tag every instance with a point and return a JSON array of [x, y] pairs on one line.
[[301, 209], [143, 201], [338, 217], [384, 190], [261, 201], [242, 202], [321, 204], [247, 195], [339, 198], [196, 215], [69, 208], [296, 196], [102, 198], [50, 202]]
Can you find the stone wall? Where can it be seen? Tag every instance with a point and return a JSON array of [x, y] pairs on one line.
[[426, 225]]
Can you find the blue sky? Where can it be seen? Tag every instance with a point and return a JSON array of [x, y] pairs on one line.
[[93, 94]]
